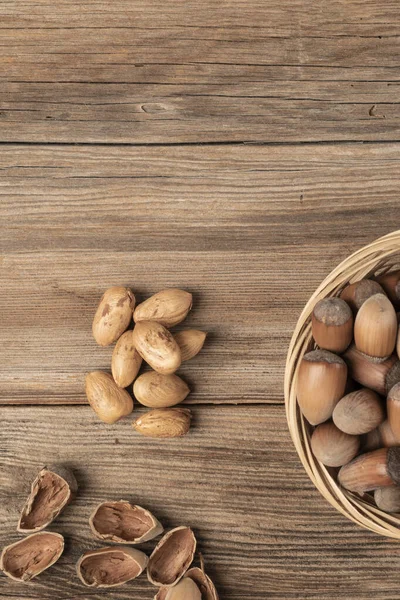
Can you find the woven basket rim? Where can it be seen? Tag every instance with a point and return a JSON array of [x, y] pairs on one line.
[[377, 256]]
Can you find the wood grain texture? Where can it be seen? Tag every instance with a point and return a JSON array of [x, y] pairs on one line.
[[251, 234], [199, 72], [263, 529]]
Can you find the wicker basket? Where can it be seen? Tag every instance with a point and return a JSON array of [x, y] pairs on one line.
[[379, 257]]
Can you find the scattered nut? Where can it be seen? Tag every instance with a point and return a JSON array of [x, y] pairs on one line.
[[113, 315], [126, 360], [27, 558], [51, 491], [164, 422], [124, 523], [168, 307], [109, 401], [110, 566], [157, 346], [160, 391]]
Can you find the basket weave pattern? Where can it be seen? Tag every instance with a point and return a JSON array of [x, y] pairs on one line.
[[379, 257]]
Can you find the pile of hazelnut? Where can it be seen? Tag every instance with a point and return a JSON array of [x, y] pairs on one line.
[[348, 388]]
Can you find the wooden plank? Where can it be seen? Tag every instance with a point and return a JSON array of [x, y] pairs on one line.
[[264, 530], [251, 233], [173, 72], [328, 18]]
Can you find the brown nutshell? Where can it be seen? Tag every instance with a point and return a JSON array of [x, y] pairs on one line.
[[27, 558], [124, 523], [388, 499], [321, 382], [357, 293], [52, 489], [375, 374], [370, 471], [172, 557], [359, 412], [110, 566], [393, 410], [333, 447], [391, 284], [375, 327], [381, 437], [332, 324]]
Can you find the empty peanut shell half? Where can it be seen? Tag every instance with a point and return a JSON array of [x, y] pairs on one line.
[[124, 523], [32, 555], [172, 557], [51, 491], [110, 566]]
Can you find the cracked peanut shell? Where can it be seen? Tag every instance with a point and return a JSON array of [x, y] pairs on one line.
[[172, 557], [51, 491], [27, 558], [124, 523], [111, 566]]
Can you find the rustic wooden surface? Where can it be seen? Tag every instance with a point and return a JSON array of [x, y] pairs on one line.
[[212, 146]]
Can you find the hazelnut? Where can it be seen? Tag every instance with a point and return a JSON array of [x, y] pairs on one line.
[[332, 324], [321, 383]]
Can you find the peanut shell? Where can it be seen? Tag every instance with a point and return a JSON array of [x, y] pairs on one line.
[[52, 489], [124, 523]]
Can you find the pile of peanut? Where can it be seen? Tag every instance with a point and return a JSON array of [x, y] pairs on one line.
[[151, 341]]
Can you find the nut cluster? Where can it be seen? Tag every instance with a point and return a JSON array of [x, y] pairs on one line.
[[116, 522], [151, 341], [348, 387]]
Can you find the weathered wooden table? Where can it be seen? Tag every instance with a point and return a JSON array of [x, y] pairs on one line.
[[238, 149]]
